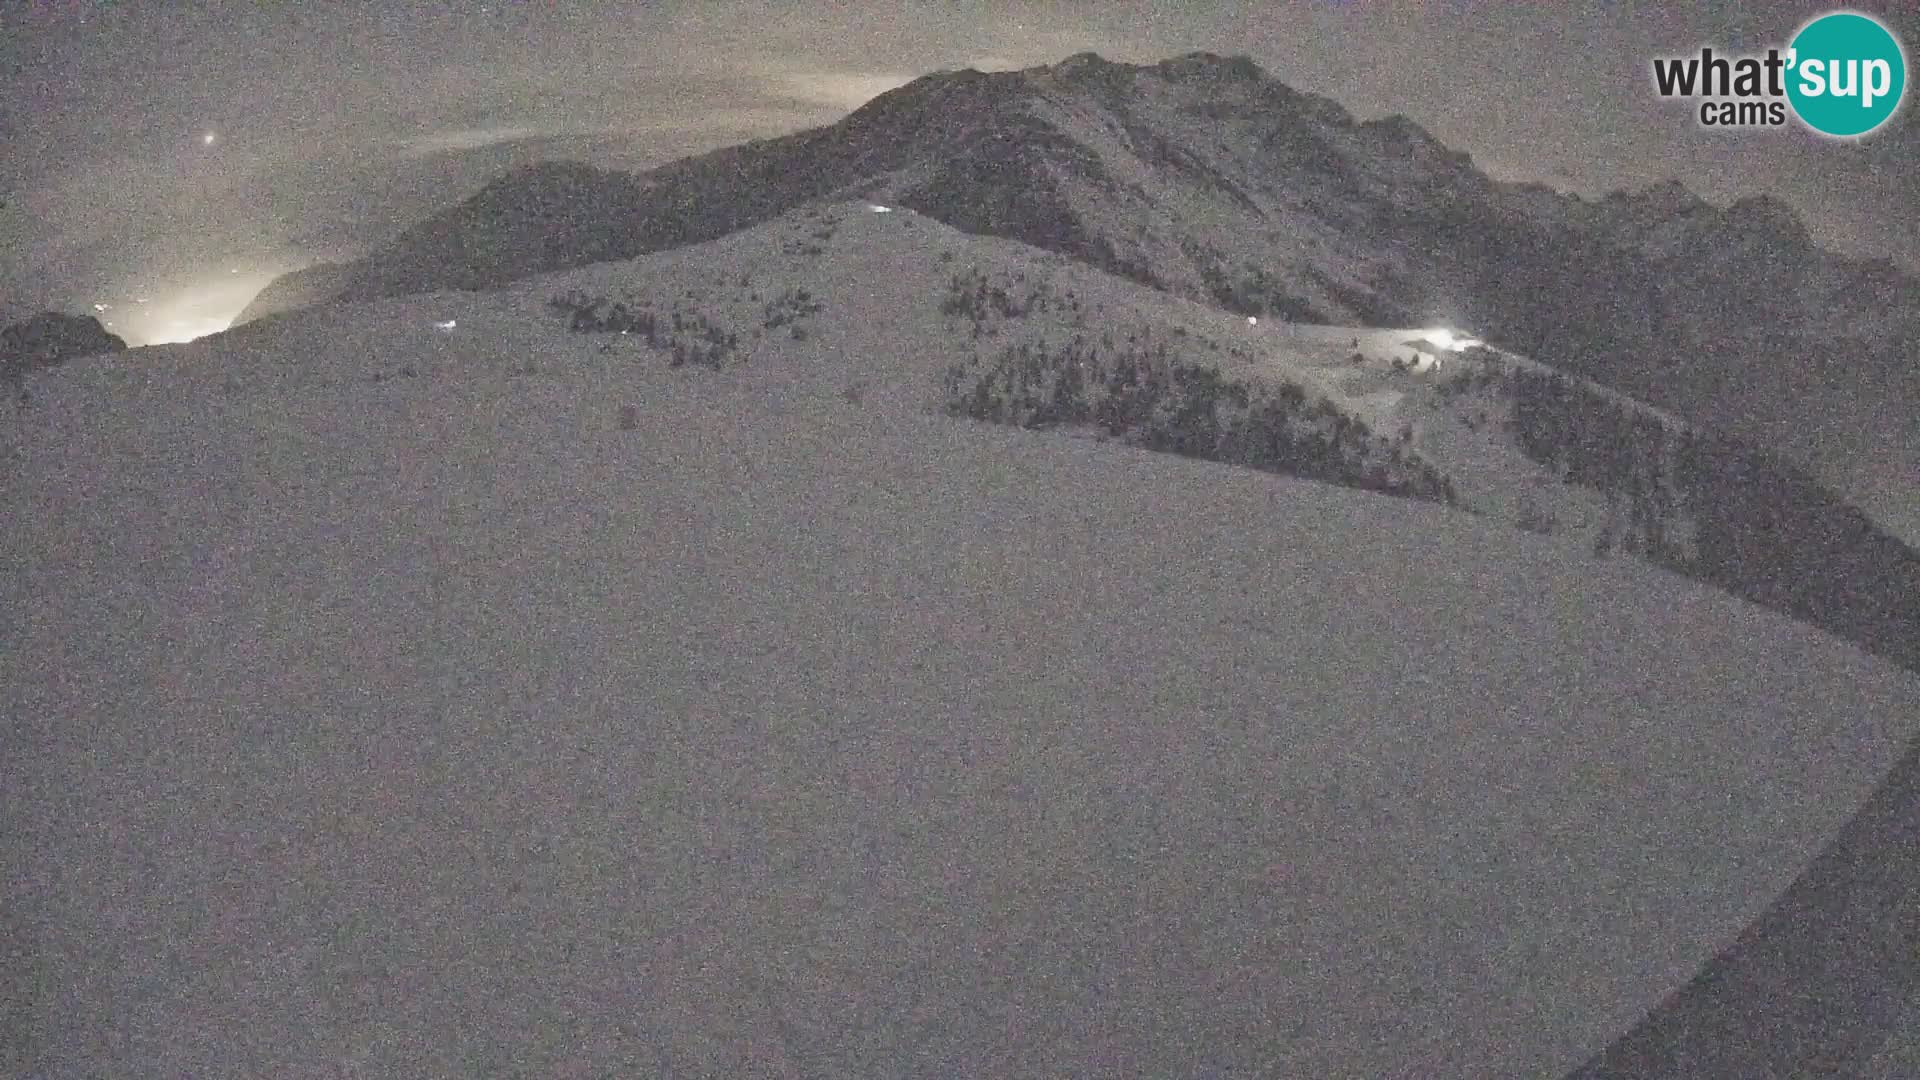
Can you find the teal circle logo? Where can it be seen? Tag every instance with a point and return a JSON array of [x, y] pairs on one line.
[[1846, 74]]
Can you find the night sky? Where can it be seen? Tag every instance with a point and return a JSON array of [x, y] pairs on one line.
[[186, 153]]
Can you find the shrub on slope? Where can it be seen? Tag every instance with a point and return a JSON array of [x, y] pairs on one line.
[[1714, 509], [685, 338]]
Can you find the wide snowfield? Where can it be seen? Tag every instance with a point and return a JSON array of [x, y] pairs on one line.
[[440, 726]]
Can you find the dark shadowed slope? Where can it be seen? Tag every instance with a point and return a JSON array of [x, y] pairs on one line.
[[1816, 984], [52, 338], [314, 285]]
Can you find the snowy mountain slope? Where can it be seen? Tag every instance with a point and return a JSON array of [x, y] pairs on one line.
[[893, 289], [316, 284], [439, 724], [837, 300]]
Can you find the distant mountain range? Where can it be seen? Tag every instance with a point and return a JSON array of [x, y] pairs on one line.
[[1205, 177]]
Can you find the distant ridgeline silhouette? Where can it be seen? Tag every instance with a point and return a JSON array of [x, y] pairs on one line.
[[50, 339]]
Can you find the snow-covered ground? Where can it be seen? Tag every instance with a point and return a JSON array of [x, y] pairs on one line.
[[438, 725], [881, 281]]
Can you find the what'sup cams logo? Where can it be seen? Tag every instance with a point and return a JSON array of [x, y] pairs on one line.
[[1844, 75]]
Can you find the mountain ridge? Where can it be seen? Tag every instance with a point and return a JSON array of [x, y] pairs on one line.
[[920, 128]]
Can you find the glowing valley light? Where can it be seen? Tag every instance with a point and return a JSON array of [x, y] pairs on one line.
[[166, 308], [1447, 340], [175, 331], [198, 308]]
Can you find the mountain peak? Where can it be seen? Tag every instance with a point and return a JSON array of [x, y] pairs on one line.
[[943, 93], [1083, 62], [1213, 65], [1090, 71], [1191, 66], [1401, 129]]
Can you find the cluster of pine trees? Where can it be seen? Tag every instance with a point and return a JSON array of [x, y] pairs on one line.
[[685, 338], [1598, 442], [790, 307], [1773, 535], [1759, 528], [1141, 393], [1250, 290], [981, 300]]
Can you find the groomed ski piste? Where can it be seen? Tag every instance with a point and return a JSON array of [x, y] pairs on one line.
[[383, 701]]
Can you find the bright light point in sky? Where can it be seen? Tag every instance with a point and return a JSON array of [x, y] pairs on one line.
[[208, 138]]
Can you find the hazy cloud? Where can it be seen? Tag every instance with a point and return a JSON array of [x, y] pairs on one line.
[[842, 91], [465, 139]]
